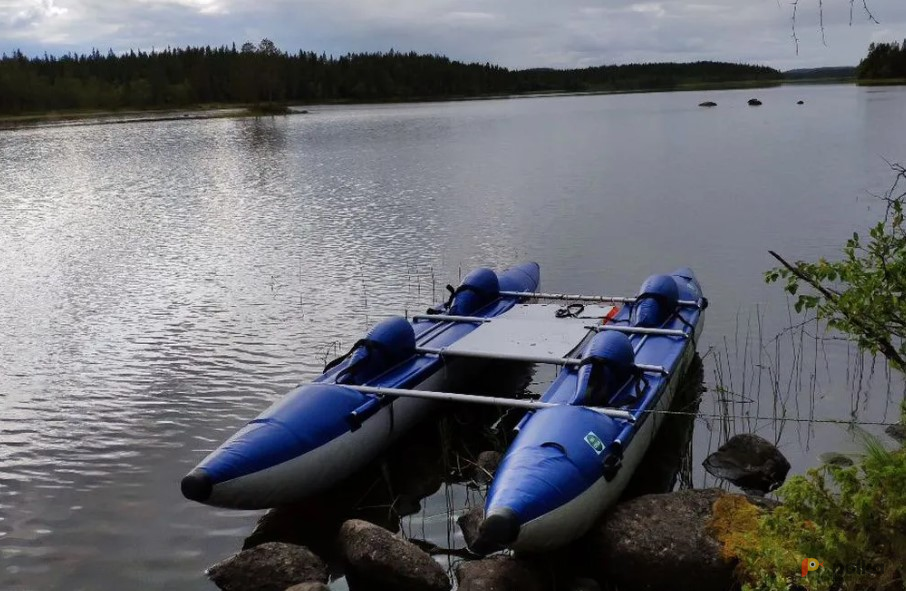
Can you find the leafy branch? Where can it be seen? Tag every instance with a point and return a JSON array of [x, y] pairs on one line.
[[862, 294]]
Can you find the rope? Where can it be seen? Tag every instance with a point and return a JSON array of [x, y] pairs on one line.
[[765, 418]]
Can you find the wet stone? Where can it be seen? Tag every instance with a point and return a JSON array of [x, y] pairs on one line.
[[656, 542], [750, 462], [501, 573], [269, 567], [486, 466], [310, 586], [377, 558], [469, 523]]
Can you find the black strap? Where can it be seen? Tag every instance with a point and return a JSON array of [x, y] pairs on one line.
[[570, 311], [330, 365], [455, 292]]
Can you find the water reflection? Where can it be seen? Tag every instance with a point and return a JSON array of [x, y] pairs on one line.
[[162, 282]]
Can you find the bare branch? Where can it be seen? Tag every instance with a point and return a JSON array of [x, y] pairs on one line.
[[793, 22], [868, 13], [821, 21]]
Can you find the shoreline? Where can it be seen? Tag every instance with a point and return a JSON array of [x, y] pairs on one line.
[[234, 110]]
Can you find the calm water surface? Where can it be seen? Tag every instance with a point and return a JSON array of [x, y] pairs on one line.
[[161, 283]]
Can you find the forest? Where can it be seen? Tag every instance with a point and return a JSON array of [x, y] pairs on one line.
[[262, 73], [885, 61]]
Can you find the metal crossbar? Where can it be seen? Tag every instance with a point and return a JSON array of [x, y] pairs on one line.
[[625, 329], [451, 318], [573, 361], [667, 332], [584, 298], [487, 400]]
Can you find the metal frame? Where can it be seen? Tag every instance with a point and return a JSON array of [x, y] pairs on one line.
[[487, 400], [525, 358], [667, 332], [584, 298], [451, 318]]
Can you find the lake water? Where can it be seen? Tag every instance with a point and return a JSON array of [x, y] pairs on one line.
[[162, 282]]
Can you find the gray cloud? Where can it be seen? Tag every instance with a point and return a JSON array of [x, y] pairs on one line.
[[515, 33]]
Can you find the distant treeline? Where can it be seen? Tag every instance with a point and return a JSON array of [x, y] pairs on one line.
[[263, 73], [884, 61], [832, 73]]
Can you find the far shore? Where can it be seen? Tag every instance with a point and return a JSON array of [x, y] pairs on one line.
[[232, 110]]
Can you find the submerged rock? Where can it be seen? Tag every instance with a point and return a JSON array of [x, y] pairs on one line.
[[501, 573], [469, 523], [800, 102], [754, 102], [661, 543], [707, 104], [834, 458], [269, 567], [376, 557], [750, 462], [897, 432], [486, 466]]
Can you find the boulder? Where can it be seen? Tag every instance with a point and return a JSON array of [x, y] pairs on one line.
[[501, 573], [469, 522], [707, 104], [750, 462], [375, 555], [833, 458], [800, 102], [656, 542], [754, 102], [897, 432], [486, 466], [309, 587], [269, 567]]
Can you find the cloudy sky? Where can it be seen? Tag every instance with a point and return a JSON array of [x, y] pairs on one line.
[[514, 33]]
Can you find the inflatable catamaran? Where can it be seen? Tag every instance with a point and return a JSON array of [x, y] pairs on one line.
[[622, 357]]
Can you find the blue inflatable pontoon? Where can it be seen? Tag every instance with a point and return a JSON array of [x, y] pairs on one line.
[[322, 432], [572, 460]]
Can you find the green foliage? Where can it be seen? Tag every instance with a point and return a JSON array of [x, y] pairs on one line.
[[861, 295], [264, 73], [884, 61], [851, 519]]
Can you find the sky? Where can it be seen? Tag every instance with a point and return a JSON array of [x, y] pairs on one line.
[[512, 33]]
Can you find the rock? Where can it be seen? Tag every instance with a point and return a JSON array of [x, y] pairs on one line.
[[269, 567], [486, 466], [501, 573], [310, 586], [897, 432], [303, 112], [654, 542], [373, 554], [836, 459], [754, 102], [707, 104], [750, 462], [468, 523], [800, 102]]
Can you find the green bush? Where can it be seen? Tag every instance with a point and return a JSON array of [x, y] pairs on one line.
[[851, 519]]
